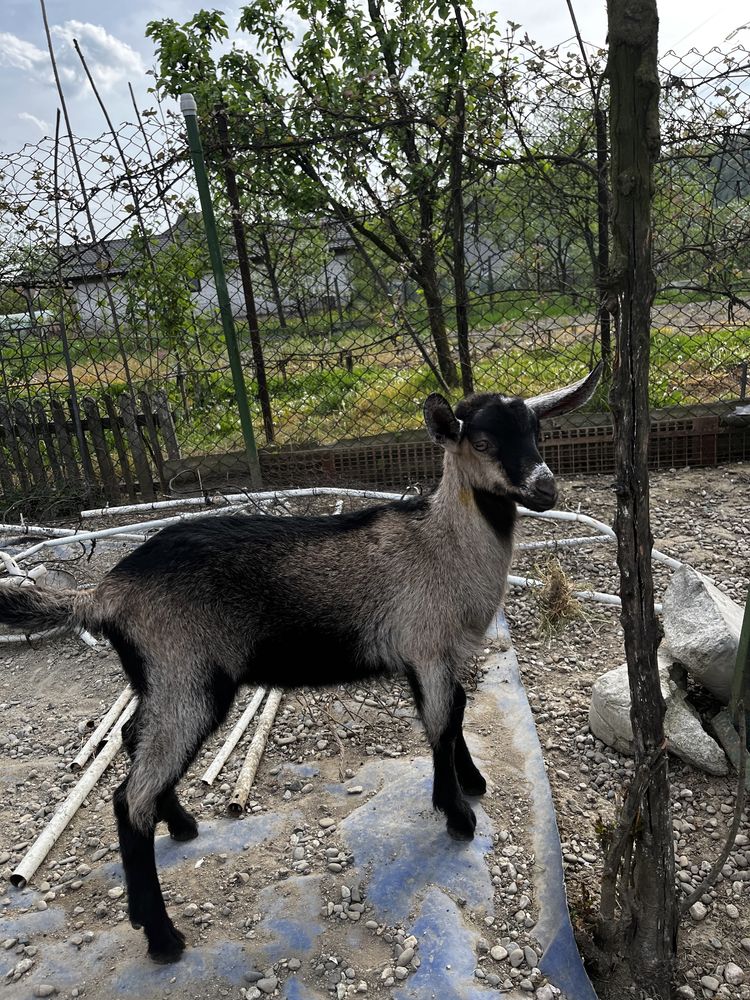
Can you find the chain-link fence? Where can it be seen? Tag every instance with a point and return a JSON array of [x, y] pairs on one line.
[[368, 264]]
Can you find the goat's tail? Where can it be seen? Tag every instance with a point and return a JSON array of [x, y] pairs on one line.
[[36, 609]]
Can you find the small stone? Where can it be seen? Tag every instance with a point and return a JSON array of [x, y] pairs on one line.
[[499, 953], [326, 822], [516, 957], [745, 942], [698, 911], [45, 990], [545, 993], [267, 985], [190, 910], [686, 992], [354, 790], [710, 983], [732, 911], [532, 959], [733, 974], [400, 972], [40, 905], [116, 892], [405, 957], [527, 986], [294, 964]]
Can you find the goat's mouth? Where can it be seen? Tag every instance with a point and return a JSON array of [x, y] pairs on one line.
[[538, 501]]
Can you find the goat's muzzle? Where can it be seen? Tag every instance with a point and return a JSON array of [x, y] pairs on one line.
[[542, 497]]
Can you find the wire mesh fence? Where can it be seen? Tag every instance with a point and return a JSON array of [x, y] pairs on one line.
[[368, 263]]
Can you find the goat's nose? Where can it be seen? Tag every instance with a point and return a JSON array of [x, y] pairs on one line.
[[546, 490]]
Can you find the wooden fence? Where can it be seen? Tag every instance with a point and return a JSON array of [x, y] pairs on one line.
[[119, 447]]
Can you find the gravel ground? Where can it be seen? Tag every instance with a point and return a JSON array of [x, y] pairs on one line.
[[48, 694]]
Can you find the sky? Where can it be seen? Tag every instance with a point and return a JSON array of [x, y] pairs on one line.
[[111, 35]]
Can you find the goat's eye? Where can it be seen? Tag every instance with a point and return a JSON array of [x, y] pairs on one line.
[[480, 445]]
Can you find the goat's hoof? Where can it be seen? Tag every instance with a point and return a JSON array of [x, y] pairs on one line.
[[184, 830], [166, 945], [474, 785], [461, 825]]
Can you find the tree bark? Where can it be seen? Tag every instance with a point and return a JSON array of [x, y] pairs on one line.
[[602, 259], [238, 228], [272, 277], [459, 257], [647, 891], [434, 301]]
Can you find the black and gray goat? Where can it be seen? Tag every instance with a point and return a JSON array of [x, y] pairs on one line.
[[407, 589]]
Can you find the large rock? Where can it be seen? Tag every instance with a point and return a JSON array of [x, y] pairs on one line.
[[609, 719], [702, 630]]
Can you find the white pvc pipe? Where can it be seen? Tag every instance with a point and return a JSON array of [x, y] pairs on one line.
[[240, 498], [234, 737], [47, 838], [254, 753], [567, 515], [613, 600], [553, 543], [50, 633], [89, 747], [120, 530]]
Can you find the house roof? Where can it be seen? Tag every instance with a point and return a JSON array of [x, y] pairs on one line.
[[85, 262]]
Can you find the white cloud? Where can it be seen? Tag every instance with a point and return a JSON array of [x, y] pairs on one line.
[[20, 54], [111, 61], [42, 125]]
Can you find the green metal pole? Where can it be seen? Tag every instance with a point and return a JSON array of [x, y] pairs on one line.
[[190, 113]]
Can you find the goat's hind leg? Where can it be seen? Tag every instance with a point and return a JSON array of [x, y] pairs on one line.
[[441, 710], [181, 824], [145, 900], [469, 776], [171, 728]]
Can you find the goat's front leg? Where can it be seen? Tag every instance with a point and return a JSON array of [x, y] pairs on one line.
[[441, 708]]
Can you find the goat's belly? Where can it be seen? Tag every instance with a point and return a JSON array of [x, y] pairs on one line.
[[300, 658]]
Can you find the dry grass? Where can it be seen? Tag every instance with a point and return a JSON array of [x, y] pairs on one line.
[[556, 601]]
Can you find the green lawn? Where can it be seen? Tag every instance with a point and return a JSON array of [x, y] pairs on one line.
[[315, 398]]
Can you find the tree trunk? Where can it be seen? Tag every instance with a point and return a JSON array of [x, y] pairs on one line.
[[459, 258], [434, 302], [646, 889], [240, 243], [602, 264], [271, 272]]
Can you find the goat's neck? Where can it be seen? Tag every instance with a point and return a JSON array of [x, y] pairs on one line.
[[459, 505]]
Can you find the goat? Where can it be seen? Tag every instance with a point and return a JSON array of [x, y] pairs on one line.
[[407, 588]]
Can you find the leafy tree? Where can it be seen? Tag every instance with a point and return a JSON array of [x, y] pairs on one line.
[[356, 113]]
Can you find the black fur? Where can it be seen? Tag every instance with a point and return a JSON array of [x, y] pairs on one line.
[[498, 511]]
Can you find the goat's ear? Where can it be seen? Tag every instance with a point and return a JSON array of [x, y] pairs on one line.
[[443, 425], [552, 404]]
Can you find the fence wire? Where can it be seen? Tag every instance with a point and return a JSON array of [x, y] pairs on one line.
[[363, 285]]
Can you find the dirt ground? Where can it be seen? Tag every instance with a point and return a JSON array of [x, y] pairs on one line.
[[326, 746]]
